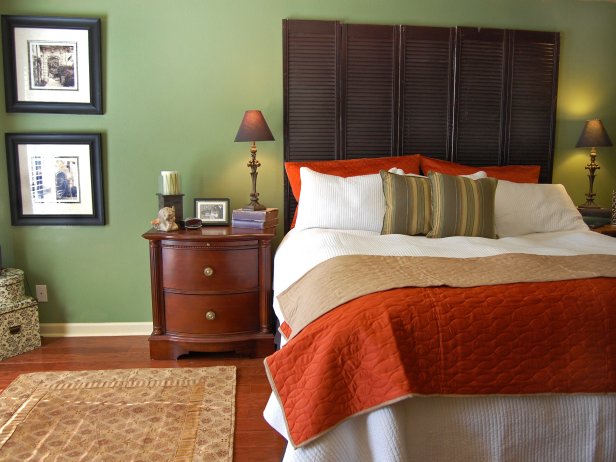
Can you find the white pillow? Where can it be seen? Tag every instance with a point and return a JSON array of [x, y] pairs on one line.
[[526, 208], [477, 175], [328, 201], [473, 176], [399, 171]]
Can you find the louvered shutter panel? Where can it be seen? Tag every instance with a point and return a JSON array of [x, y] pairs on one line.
[[353, 91], [480, 96], [310, 99], [533, 100], [370, 75], [426, 90]]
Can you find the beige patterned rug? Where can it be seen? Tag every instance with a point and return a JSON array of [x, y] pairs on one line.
[[181, 414]]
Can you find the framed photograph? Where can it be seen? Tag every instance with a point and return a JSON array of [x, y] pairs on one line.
[[55, 179], [212, 211], [52, 64]]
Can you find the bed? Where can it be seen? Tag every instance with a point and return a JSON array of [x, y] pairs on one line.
[[476, 321], [519, 412]]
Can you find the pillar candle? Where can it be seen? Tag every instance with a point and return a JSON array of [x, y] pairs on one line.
[[169, 182]]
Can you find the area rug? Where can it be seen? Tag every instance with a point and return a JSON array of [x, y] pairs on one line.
[[180, 414]]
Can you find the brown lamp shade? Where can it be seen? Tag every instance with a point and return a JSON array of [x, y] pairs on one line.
[[254, 128], [593, 135]]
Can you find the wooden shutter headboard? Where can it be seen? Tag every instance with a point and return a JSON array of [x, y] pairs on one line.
[[469, 95]]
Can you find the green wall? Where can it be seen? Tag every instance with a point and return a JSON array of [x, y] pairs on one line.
[[178, 76]]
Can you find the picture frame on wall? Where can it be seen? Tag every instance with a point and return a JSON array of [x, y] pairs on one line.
[[52, 64], [55, 179], [212, 211]]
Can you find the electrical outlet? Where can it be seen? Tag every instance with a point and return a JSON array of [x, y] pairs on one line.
[[41, 293]]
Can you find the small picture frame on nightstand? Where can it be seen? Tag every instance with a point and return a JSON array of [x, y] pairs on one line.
[[212, 211]]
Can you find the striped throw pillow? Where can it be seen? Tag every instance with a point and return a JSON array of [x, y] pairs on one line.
[[407, 204], [461, 206]]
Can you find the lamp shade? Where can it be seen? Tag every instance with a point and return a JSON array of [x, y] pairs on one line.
[[593, 135], [254, 128]]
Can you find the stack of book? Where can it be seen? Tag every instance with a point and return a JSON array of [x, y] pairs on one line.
[[260, 219], [595, 216]]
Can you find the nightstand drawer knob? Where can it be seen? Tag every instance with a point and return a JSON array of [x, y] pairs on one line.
[[208, 271], [210, 315]]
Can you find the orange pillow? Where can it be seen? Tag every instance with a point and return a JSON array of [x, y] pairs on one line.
[[351, 167], [346, 168], [515, 173]]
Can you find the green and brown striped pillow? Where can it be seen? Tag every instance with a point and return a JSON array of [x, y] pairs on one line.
[[461, 206], [407, 204]]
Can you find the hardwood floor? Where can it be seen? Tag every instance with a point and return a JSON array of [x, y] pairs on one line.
[[254, 439]]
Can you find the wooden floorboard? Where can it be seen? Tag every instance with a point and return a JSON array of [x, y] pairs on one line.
[[254, 439]]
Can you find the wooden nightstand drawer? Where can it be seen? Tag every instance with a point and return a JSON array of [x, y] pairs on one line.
[[210, 270], [228, 314]]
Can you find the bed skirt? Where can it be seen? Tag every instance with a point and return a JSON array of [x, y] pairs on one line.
[[546, 428]]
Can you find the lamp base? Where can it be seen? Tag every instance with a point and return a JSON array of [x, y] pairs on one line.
[[254, 206]]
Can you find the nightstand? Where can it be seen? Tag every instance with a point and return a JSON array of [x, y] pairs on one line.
[[609, 230], [211, 291]]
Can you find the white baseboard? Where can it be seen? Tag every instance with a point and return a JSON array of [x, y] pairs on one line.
[[95, 329]]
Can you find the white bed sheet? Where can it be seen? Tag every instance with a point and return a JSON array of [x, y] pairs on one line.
[[486, 428]]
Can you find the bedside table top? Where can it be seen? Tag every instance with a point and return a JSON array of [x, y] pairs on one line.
[[212, 233], [609, 230]]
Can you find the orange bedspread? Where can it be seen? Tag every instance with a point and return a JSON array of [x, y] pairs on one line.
[[546, 337]]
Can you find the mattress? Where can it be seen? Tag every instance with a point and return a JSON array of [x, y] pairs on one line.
[[528, 427]]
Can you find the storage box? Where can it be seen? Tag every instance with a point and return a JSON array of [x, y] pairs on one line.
[[11, 285], [19, 321], [19, 327]]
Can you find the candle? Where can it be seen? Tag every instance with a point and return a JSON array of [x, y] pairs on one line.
[[170, 182]]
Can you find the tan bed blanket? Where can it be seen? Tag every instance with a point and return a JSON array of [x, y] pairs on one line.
[[344, 278]]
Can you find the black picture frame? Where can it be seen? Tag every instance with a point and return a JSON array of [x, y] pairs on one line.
[[55, 179], [59, 61], [214, 212]]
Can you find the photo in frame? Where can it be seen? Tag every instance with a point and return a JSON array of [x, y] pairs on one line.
[[52, 64], [55, 179], [212, 211]]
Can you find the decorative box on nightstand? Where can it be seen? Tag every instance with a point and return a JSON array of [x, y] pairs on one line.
[[211, 291]]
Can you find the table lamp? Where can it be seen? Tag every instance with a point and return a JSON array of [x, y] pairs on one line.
[[593, 136], [254, 128]]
